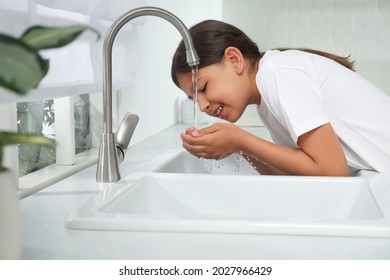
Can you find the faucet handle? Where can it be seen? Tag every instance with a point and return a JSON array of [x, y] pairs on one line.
[[124, 134]]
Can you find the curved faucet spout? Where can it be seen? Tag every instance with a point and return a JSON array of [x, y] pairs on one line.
[[108, 170]]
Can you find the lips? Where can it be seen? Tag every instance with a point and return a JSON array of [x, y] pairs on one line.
[[219, 110]]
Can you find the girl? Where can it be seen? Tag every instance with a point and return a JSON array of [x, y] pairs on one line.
[[324, 119]]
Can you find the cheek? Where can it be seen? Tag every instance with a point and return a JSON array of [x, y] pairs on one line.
[[236, 106]]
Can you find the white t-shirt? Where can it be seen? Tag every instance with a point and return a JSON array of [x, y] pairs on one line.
[[301, 91]]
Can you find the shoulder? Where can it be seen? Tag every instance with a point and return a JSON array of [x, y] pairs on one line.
[[286, 65], [289, 59]]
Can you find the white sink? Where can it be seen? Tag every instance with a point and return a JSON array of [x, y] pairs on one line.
[[174, 202]]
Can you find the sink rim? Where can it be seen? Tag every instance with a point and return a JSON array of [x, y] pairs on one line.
[[88, 216]]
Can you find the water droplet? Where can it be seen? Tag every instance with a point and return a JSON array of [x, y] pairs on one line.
[[205, 165], [218, 164], [237, 162]]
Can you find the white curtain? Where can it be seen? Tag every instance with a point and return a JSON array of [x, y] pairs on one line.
[[76, 68]]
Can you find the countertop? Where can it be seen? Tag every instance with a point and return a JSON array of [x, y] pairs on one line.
[[44, 235]]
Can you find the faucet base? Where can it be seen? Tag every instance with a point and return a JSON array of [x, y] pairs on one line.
[[107, 166]]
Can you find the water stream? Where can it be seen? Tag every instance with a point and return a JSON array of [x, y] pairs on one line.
[[194, 70]]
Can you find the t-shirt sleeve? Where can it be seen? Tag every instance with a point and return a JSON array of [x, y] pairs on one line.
[[294, 98]]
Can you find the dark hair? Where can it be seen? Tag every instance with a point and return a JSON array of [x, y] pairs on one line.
[[343, 60], [212, 37]]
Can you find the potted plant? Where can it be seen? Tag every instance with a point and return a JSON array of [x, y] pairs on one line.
[[21, 69]]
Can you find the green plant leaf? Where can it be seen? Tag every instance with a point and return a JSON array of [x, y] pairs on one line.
[[41, 37], [21, 67], [13, 138]]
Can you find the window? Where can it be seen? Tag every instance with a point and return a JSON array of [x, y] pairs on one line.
[[39, 117], [82, 123], [35, 117], [68, 121]]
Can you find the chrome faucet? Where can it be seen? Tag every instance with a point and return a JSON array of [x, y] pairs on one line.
[[107, 166]]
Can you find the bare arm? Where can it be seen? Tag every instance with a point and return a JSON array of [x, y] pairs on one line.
[[262, 167], [319, 151]]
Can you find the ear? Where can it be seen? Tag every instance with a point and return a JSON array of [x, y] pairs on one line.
[[234, 57]]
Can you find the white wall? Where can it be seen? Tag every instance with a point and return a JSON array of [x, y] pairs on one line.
[[154, 96], [357, 27]]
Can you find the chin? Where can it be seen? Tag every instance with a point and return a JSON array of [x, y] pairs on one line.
[[233, 119]]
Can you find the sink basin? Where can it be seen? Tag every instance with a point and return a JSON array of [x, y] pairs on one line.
[[181, 161], [287, 205]]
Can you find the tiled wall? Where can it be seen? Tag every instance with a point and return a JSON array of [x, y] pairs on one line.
[[357, 27]]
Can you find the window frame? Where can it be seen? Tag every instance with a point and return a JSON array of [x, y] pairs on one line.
[[67, 161]]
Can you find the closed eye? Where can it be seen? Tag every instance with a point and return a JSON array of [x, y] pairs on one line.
[[204, 88]]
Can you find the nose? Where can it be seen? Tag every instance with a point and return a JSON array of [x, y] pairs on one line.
[[204, 105]]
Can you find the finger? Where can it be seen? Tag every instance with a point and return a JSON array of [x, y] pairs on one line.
[[192, 147], [190, 130], [190, 139], [200, 151], [209, 130], [194, 150]]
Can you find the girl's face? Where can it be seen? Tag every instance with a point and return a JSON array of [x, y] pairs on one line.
[[222, 91]]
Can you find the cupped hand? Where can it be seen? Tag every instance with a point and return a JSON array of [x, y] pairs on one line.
[[213, 142]]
